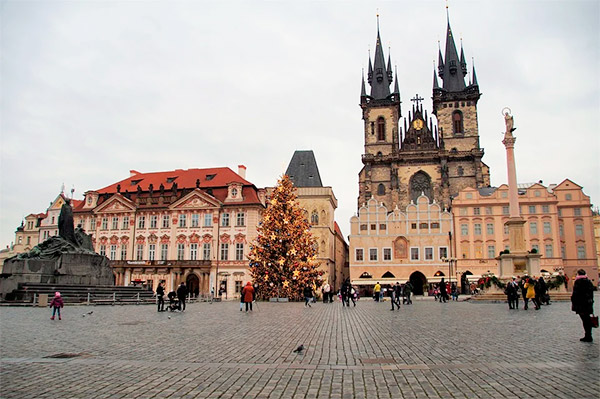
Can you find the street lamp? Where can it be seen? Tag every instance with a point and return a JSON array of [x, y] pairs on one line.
[[450, 262]]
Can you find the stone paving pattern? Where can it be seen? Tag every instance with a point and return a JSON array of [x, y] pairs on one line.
[[426, 350]]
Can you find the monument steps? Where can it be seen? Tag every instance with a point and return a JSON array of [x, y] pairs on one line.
[[501, 297], [72, 294]]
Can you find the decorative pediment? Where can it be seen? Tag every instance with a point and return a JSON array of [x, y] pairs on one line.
[[165, 239], [115, 204], [114, 239], [124, 239], [206, 238], [181, 239], [240, 238], [194, 238], [152, 238], [225, 238], [197, 199], [140, 239]]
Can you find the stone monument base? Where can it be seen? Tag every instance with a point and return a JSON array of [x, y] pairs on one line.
[[68, 268]]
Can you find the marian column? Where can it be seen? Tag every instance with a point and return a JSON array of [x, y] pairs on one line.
[[518, 260]]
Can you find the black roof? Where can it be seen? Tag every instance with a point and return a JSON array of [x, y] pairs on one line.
[[303, 170]]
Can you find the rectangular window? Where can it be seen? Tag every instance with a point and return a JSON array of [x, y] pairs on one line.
[[123, 252], [505, 230], [536, 247], [363, 227], [125, 224], [238, 287], [464, 229], [193, 251], [240, 219], [531, 208], [166, 219], [113, 251], [490, 228], [549, 251], [373, 226], [476, 211], [414, 253], [491, 251], [505, 210], [581, 252], [103, 250], [413, 225], [207, 219], [463, 212], [359, 254], [423, 226], [382, 227], [559, 212], [225, 220], [563, 252], [533, 228], [140, 252], [578, 229], [115, 223], [561, 230], [239, 251], [373, 254], [104, 224], [182, 220], [477, 229], [577, 211], [545, 209], [141, 222], [206, 251], [387, 253], [180, 251], [547, 228], [224, 251], [153, 221], [151, 251], [164, 251], [489, 210], [443, 252], [195, 220], [568, 197], [428, 253]]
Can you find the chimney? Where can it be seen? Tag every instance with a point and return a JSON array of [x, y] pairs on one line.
[[242, 171]]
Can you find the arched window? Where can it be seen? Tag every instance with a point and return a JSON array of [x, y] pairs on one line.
[[381, 189], [314, 217], [380, 128], [420, 182], [457, 122]]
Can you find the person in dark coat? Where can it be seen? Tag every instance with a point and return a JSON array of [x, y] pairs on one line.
[[512, 294], [582, 302], [443, 291], [182, 293], [396, 295], [407, 291], [345, 293], [544, 298], [160, 297], [308, 295]]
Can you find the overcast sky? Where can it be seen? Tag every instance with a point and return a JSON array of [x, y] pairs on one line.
[[91, 90]]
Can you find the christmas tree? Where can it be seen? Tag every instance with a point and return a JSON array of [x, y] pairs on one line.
[[282, 258]]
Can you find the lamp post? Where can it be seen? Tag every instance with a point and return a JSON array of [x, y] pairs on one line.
[[450, 261]]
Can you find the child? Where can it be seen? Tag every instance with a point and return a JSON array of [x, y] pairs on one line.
[[56, 304]]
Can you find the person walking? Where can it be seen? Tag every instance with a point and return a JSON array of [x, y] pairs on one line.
[[352, 294], [443, 291], [530, 287], [408, 287], [512, 294], [582, 302], [56, 304], [308, 295], [396, 295], [160, 297], [344, 292], [325, 291], [454, 292], [376, 292], [544, 298], [248, 295], [182, 293]]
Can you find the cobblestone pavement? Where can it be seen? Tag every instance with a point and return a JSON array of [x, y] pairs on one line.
[[426, 350]]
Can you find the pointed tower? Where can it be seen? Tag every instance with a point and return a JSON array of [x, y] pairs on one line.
[[455, 106]]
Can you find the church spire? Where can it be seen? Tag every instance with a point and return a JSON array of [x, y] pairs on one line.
[[379, 78], [453, 78], [436, 85], [474, 82]]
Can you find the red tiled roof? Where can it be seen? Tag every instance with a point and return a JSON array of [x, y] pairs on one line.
[[184, 179]]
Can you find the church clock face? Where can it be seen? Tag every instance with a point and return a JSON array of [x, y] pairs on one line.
[[418, 124]]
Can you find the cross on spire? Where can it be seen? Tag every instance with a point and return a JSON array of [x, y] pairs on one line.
[[417, 99]]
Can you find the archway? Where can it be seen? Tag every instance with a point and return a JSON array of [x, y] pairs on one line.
[[464, 282], [388, 274], [420, 183], [417, 279], [193, 284]]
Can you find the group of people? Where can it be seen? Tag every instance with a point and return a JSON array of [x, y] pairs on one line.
[[440, 292], [176, 298], [530, 288]]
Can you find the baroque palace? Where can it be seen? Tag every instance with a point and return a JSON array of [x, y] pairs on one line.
[[426, 210]]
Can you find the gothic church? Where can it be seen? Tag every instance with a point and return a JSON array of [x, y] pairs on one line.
[[420, 156]]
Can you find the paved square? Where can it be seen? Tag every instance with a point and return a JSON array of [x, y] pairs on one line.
[[427, 350]]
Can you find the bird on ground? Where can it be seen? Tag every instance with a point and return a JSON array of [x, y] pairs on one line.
[[90, 312], [299, 349]]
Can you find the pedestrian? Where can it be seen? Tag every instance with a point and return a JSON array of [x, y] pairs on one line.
[[352, 294], [544, 298], [308, 295], [242, 299], [182, 293], [408, 288], [160, 297], [512, 294], [582, 302], [248, 295], [443, 291], [56, 304], [376, 292], [325, 290], [396, 295], [344, 292], [530, 287], [454, 291]]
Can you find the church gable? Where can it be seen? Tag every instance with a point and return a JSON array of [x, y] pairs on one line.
[[116, 203], [195, 200]]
